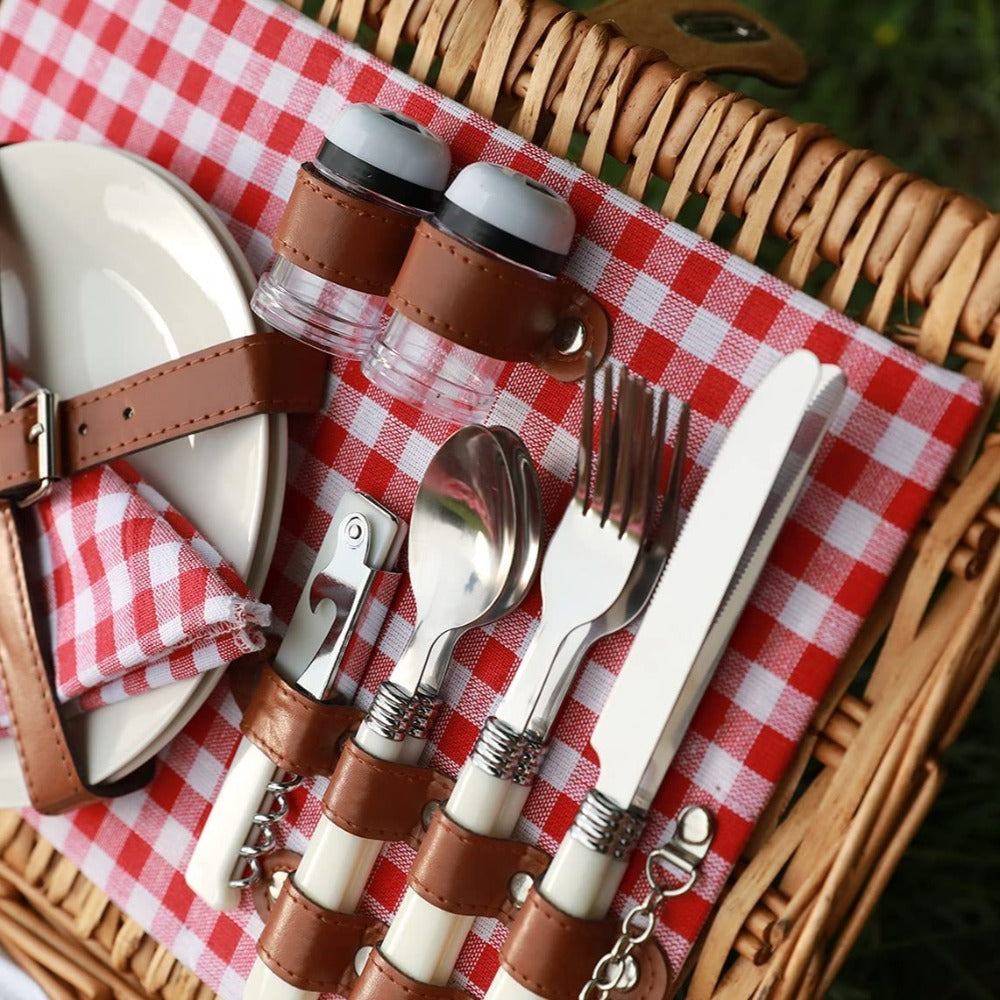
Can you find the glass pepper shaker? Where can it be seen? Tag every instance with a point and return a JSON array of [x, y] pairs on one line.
[[347, 226], [478, 288]]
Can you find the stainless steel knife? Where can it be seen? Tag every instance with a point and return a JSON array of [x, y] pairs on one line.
[[745, 499]]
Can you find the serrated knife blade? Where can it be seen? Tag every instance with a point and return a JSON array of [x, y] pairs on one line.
[[747, 494]]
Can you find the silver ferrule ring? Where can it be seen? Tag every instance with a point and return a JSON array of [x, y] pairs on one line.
[[390, 712], [507, 754], [605, 828]]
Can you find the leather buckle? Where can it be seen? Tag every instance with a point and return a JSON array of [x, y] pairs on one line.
[[43, 433]]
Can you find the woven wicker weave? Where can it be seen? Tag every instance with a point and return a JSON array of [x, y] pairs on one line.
[[854, 225]]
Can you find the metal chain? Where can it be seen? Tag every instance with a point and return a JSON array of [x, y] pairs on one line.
[[684, 851]]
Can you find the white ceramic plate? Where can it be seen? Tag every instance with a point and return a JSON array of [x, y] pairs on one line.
[[109, 267]]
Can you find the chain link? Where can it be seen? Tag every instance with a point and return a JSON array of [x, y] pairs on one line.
[[614, 969]]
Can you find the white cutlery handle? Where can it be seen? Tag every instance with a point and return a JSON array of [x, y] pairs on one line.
[[228, 826], [334, 868], [579, 882], [423, 940]]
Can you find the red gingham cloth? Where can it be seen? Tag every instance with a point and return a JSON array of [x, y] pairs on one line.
[[136, 597], [231, 96]]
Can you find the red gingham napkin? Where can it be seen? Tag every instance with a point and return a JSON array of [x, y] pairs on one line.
[[137, 598], [231, 96]]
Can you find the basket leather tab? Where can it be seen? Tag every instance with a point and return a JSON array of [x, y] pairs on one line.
[[348, 240], [299, 733], [381, 980], [261, 373], [553, 954], [380, 800], [494, 307], [313, 948], [464, 872]]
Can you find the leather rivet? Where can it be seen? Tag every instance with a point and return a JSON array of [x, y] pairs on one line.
[[518, 888], [629, 976], [428, 813], [360, 957], [278, 879], [128, 413], [569, 335], [82, 429]]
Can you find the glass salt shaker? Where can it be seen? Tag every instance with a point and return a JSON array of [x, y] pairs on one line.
[[347, 226], [508, 217]]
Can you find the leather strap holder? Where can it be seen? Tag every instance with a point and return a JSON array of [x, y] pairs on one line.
[[42, 440], [553, 954], [495, 307], [464, 872], [262, 373], [299, 733], [344, 239], [381, 980], [313, 948], [379, 800]]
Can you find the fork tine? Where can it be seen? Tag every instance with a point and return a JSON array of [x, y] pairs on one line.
[[586, 444], [667, 533], [626, 419], [639, 508], [658, 444], [607, 448]]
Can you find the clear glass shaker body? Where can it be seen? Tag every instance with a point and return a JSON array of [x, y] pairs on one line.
[[436, 374], [321, 312]]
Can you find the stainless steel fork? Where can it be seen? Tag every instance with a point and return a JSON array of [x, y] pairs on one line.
[[601, 564]]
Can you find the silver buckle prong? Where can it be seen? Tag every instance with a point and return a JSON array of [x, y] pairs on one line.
[[43, 434]]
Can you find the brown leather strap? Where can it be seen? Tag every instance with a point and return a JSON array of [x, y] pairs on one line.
[[381, 980], [50, 772], [297, 732], [464, 872], [379, 800], [495, 307], [311, 947], [553, 954], [262, 373], [357, 243]]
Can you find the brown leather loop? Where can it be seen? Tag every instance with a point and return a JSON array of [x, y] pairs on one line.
[[381, 980], [378, 800], [464, 872], [51, 774], [311, 947], [494, 307], [553, 954], [297, 732], [261, 373], [353, 242]]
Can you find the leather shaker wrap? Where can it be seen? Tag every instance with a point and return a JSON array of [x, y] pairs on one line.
[[311, 947], [297, 732], [381, 980], [553, 954], [494, 307], [347, 240], [379, 800], [464, 872]]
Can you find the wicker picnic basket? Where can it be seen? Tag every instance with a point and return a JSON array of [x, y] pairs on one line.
[[858, 233]]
